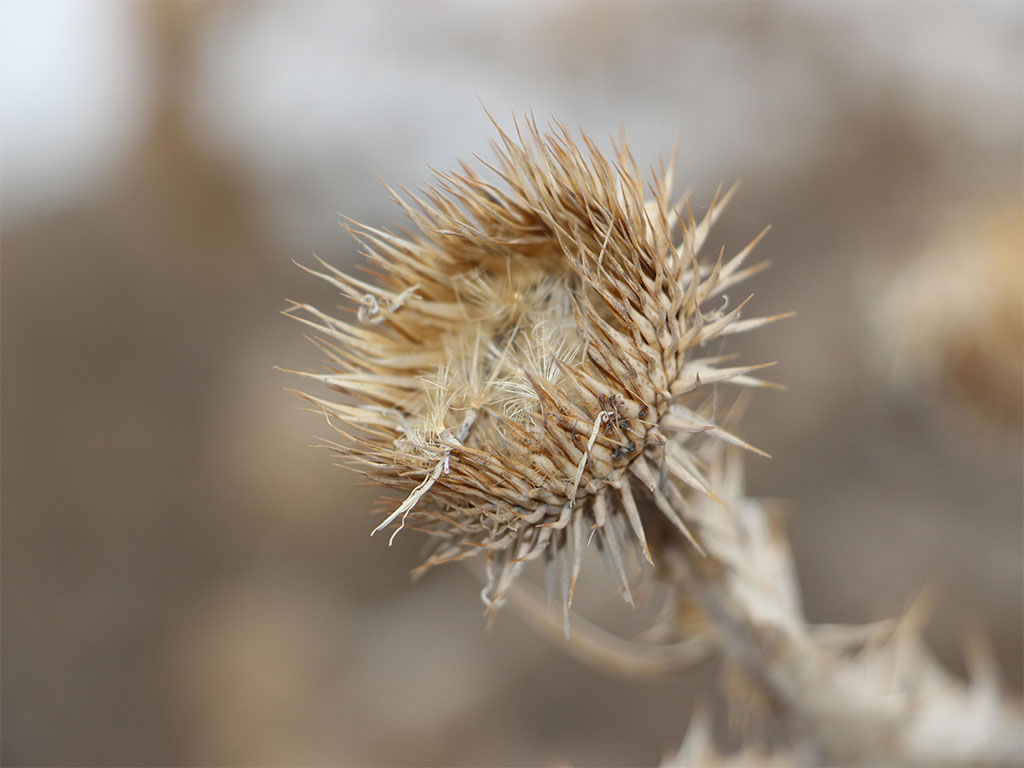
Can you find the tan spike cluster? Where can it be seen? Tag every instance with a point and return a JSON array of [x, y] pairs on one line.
[[529, 367]]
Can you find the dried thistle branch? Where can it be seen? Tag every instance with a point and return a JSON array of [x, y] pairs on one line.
[[854, 698], [529, 369]]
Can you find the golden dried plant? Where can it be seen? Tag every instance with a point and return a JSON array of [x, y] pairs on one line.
[[534, 360], [533, 367]]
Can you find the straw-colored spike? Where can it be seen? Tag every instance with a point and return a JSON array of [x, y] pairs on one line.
[[725, 283], [579, 543], [681, 465], [695, 375], [646, 475], [743, 326], [697, 235], [683, 419], [633, 515], [610, 542]]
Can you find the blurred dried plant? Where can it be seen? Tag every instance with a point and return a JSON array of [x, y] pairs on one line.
[[532, 368], [955, 312]]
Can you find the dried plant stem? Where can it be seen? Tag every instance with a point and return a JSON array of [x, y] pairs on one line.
[[601, 649], [890, 703], [531, 363]]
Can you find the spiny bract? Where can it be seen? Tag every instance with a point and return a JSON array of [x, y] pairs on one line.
[[529, 365]]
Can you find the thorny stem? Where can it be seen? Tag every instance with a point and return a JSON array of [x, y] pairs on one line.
[[891, 704]]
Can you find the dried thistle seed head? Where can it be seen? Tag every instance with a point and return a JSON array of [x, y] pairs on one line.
[[530, 363]]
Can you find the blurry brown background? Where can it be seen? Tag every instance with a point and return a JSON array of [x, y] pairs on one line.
[[185, 582]]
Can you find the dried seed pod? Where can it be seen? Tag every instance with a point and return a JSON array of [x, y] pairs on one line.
[[527, 365]]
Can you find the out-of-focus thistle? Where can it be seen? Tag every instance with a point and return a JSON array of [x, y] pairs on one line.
[[535, 362]]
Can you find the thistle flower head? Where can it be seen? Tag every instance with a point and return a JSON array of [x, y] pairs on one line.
[[530, 367]]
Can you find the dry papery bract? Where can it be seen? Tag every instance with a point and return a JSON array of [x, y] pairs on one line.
[[538, 364], [537, 360]]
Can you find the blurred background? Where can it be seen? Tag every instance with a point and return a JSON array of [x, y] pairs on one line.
[[186, 582]]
